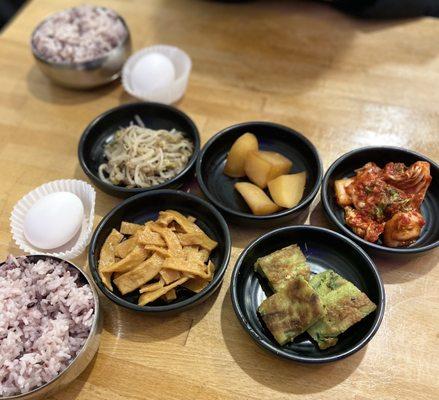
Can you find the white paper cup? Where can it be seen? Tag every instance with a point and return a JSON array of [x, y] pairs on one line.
[[166, 95], [75, 246]]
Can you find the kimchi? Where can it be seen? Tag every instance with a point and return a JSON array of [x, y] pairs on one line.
[[385, 202]]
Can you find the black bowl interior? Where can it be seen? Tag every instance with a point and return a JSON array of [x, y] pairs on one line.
[[220, 188], [154, 116], [145, 207], [324, 250], [345, 167]]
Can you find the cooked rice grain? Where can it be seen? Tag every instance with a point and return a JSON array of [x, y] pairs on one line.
[[45, 318], [79, 34]]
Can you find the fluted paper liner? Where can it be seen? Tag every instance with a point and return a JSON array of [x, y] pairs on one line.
[[166, 95], [76, 245]]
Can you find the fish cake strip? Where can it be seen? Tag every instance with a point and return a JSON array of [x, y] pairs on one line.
[[185, 266], [166, 217], [151, 287], [149, 297], [126, 247], [197, 239], [169, 275], [129, 228], [133, 259], [107, 256], [170, 296], [147, 237], [140, 275], [170, 238]]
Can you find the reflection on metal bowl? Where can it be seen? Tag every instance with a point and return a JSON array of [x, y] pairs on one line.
[[84, 356], [89, 74]]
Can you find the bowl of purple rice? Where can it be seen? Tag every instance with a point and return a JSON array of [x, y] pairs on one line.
[[50, 325], [81, 47]]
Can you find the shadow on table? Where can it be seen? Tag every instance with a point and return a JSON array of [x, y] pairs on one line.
[[277, 45], [299, 43], [73, 390], [104, 202], [399, 270], [242, 236], [317, 217], [276, 373], [43, 89], [125, 98], [139, 327]]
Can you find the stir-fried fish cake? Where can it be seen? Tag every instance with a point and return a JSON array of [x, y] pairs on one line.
[[283, 265], [291, 311], [344, 303], [157, 258]]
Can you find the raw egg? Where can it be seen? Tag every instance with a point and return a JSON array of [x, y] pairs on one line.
[[54, 220]]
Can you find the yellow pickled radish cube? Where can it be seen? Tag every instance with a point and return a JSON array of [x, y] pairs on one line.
[[280, 165], [287, 190], [263, 166], [257, 169], [236, 158], [256, 198]]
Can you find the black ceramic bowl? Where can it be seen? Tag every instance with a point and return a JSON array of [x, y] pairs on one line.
[[155, 116], [146, 206], [345, 166], [219, 188], [324, 249]]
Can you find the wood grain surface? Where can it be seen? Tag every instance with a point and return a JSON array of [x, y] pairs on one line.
[[344, 83]]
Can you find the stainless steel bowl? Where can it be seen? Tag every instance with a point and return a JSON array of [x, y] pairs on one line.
[[82, 359], [88, 74]]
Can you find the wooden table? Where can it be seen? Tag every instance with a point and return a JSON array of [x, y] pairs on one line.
[[344, 83]]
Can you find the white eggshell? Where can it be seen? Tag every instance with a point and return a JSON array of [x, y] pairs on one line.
[[151, 72], [53, 220]]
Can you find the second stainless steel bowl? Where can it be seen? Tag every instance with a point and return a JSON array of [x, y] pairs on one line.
[[89, 74]]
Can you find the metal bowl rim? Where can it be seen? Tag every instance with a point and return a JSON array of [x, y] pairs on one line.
[[91, 64], [87, 341]]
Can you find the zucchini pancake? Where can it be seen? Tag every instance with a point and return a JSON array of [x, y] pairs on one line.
[[344, 303], [283, 265], [325, 305], [291, 311]]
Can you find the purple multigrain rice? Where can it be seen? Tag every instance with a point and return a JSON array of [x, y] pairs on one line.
[[45, 319], [79, 34]]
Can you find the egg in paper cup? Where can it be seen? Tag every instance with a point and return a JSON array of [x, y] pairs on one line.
[[167, 94], [74, 247]]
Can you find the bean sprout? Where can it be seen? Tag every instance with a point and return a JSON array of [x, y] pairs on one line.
[[142, 157]]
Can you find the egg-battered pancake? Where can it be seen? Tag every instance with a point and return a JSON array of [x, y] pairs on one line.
[[344, 303], [282, 266], [291, 311]]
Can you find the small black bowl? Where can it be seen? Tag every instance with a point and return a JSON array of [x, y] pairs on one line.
[[345, 166], [155, 116], [145, 207], [324, 249], [219, 188]]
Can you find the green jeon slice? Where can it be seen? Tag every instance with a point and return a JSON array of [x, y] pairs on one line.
[[291, 311], [282, 266], [344, 303]]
